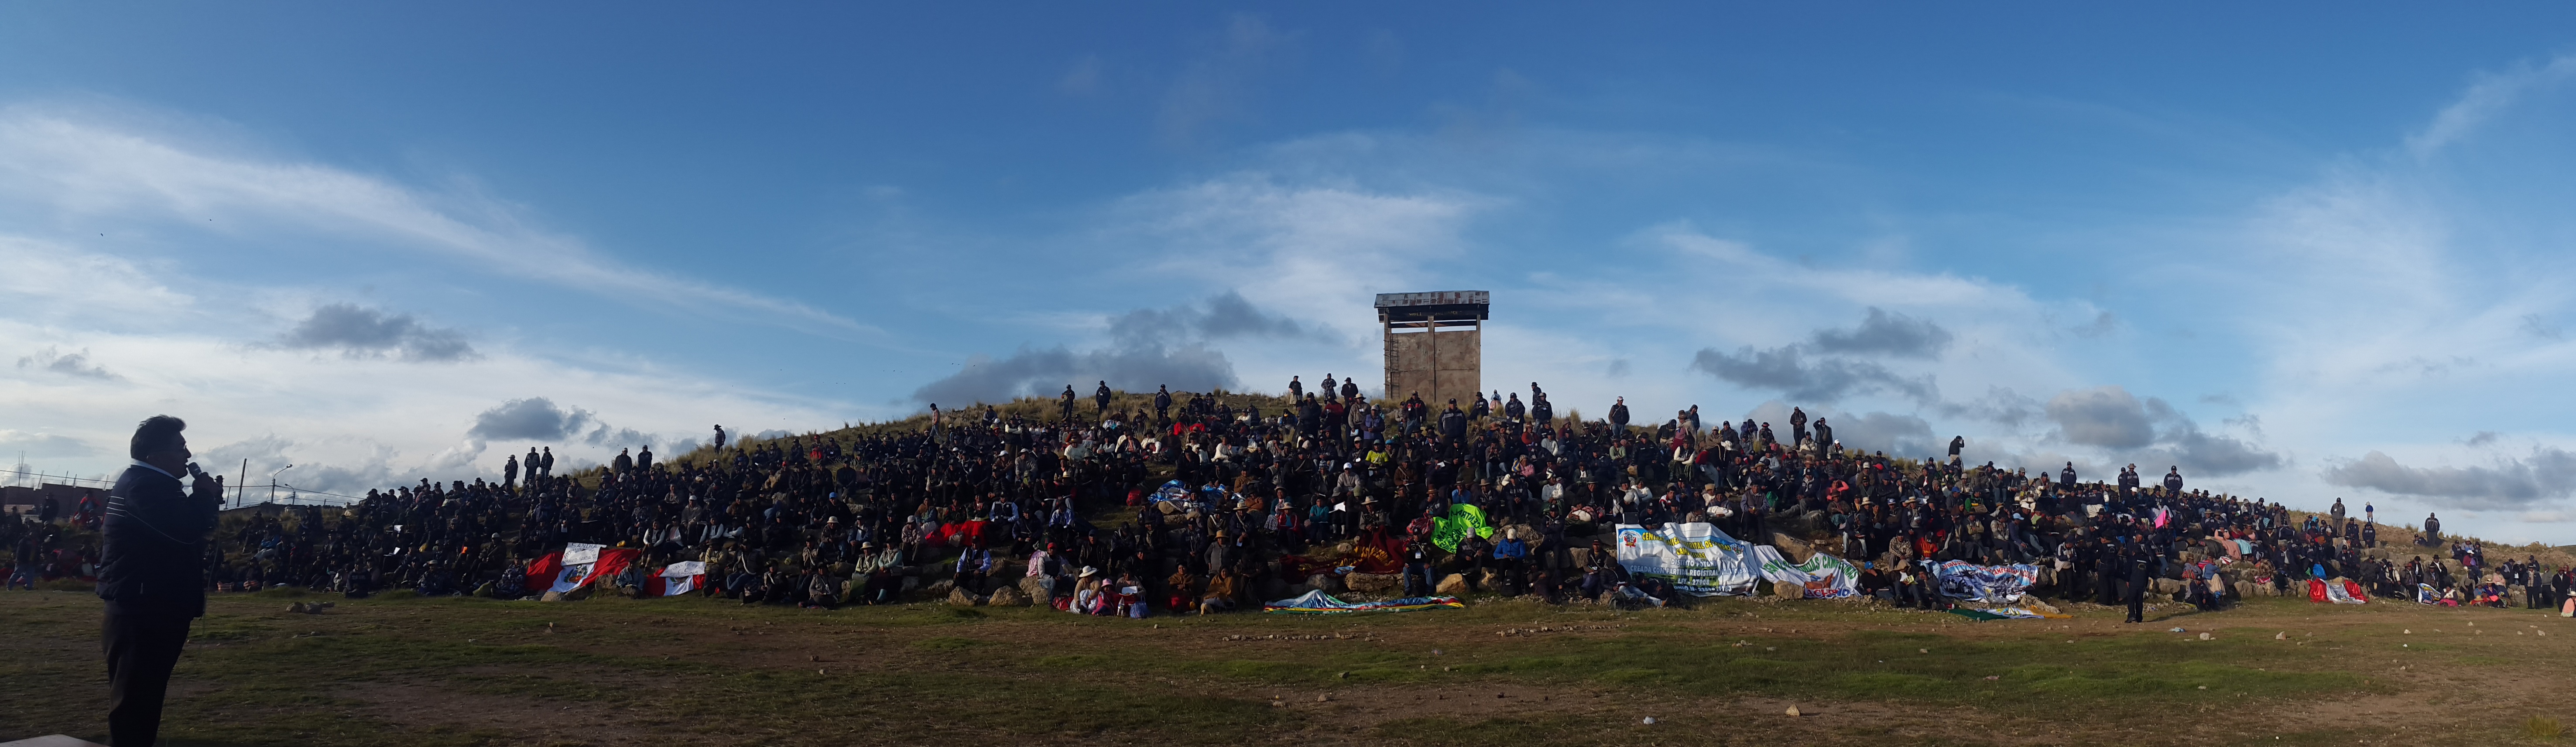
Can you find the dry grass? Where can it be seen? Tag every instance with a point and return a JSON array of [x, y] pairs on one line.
[[694, 671]]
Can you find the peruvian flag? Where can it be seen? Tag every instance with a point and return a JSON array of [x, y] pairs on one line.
[[579, 564], [677, 579]]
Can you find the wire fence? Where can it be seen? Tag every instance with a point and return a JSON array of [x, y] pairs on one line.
[[242, 496]]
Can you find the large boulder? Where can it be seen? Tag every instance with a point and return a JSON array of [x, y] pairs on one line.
[[1792, 548], [1035, 587], [1329, 583], [940, 588], [1374, 583], [959, 598], [1008, 596], [2165, 585], [1451, 585]]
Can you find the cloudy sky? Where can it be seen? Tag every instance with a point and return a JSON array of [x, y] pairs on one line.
[[2300, 254]]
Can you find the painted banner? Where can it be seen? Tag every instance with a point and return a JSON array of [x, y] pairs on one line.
[[1961, 579], [1697, 558], [1823, 576]]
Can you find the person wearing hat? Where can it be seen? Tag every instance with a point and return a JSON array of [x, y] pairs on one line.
[[1086, 592], [1222, 586]]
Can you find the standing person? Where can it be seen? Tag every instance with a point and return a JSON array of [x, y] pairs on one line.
[[1101, 397], [1619, 415], [720, 436], [152, 574], [1163, 400], [546, 467], [510, 473], [2136, 560], [1296, 389], [1797, 427], [1065, 403]]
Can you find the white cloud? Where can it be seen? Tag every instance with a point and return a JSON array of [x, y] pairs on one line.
[[81, 165], [2487, 99]]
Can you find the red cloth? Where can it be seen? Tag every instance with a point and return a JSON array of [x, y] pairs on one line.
[[1378, 552], [2316, 590], [542, 572], [962, 533]]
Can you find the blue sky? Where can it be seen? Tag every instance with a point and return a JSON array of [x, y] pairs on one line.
[[2306, 251]]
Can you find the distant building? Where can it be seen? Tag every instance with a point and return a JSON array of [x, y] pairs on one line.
[[16, 500]]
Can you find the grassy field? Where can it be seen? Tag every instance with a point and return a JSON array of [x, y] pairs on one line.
[[692, 671]]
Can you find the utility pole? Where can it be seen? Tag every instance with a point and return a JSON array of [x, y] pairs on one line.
[[242, 485]]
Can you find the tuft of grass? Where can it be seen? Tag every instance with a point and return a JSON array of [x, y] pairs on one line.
[[2542, 727]]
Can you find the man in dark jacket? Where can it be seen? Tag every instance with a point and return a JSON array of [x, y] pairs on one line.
[[152, 574], [1453, 427]]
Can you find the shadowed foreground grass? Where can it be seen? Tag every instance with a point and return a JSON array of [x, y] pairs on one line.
[[694, 671]]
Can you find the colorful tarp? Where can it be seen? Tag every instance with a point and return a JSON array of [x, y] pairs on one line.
[[1696, 558], [1961, 579], [2005, 613], [1320, 603], [1463, 519], [1823, 576]]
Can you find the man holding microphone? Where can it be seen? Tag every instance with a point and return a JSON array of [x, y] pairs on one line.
[[152, 574]]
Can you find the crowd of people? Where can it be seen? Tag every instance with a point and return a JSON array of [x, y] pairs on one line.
[[1196, 503]]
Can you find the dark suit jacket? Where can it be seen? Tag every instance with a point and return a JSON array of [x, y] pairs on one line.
[[155, 555]]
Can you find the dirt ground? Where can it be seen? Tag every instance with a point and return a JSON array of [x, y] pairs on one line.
[[1727, 672]]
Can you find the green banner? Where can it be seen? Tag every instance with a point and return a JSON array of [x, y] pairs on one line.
[[1447, 531]]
